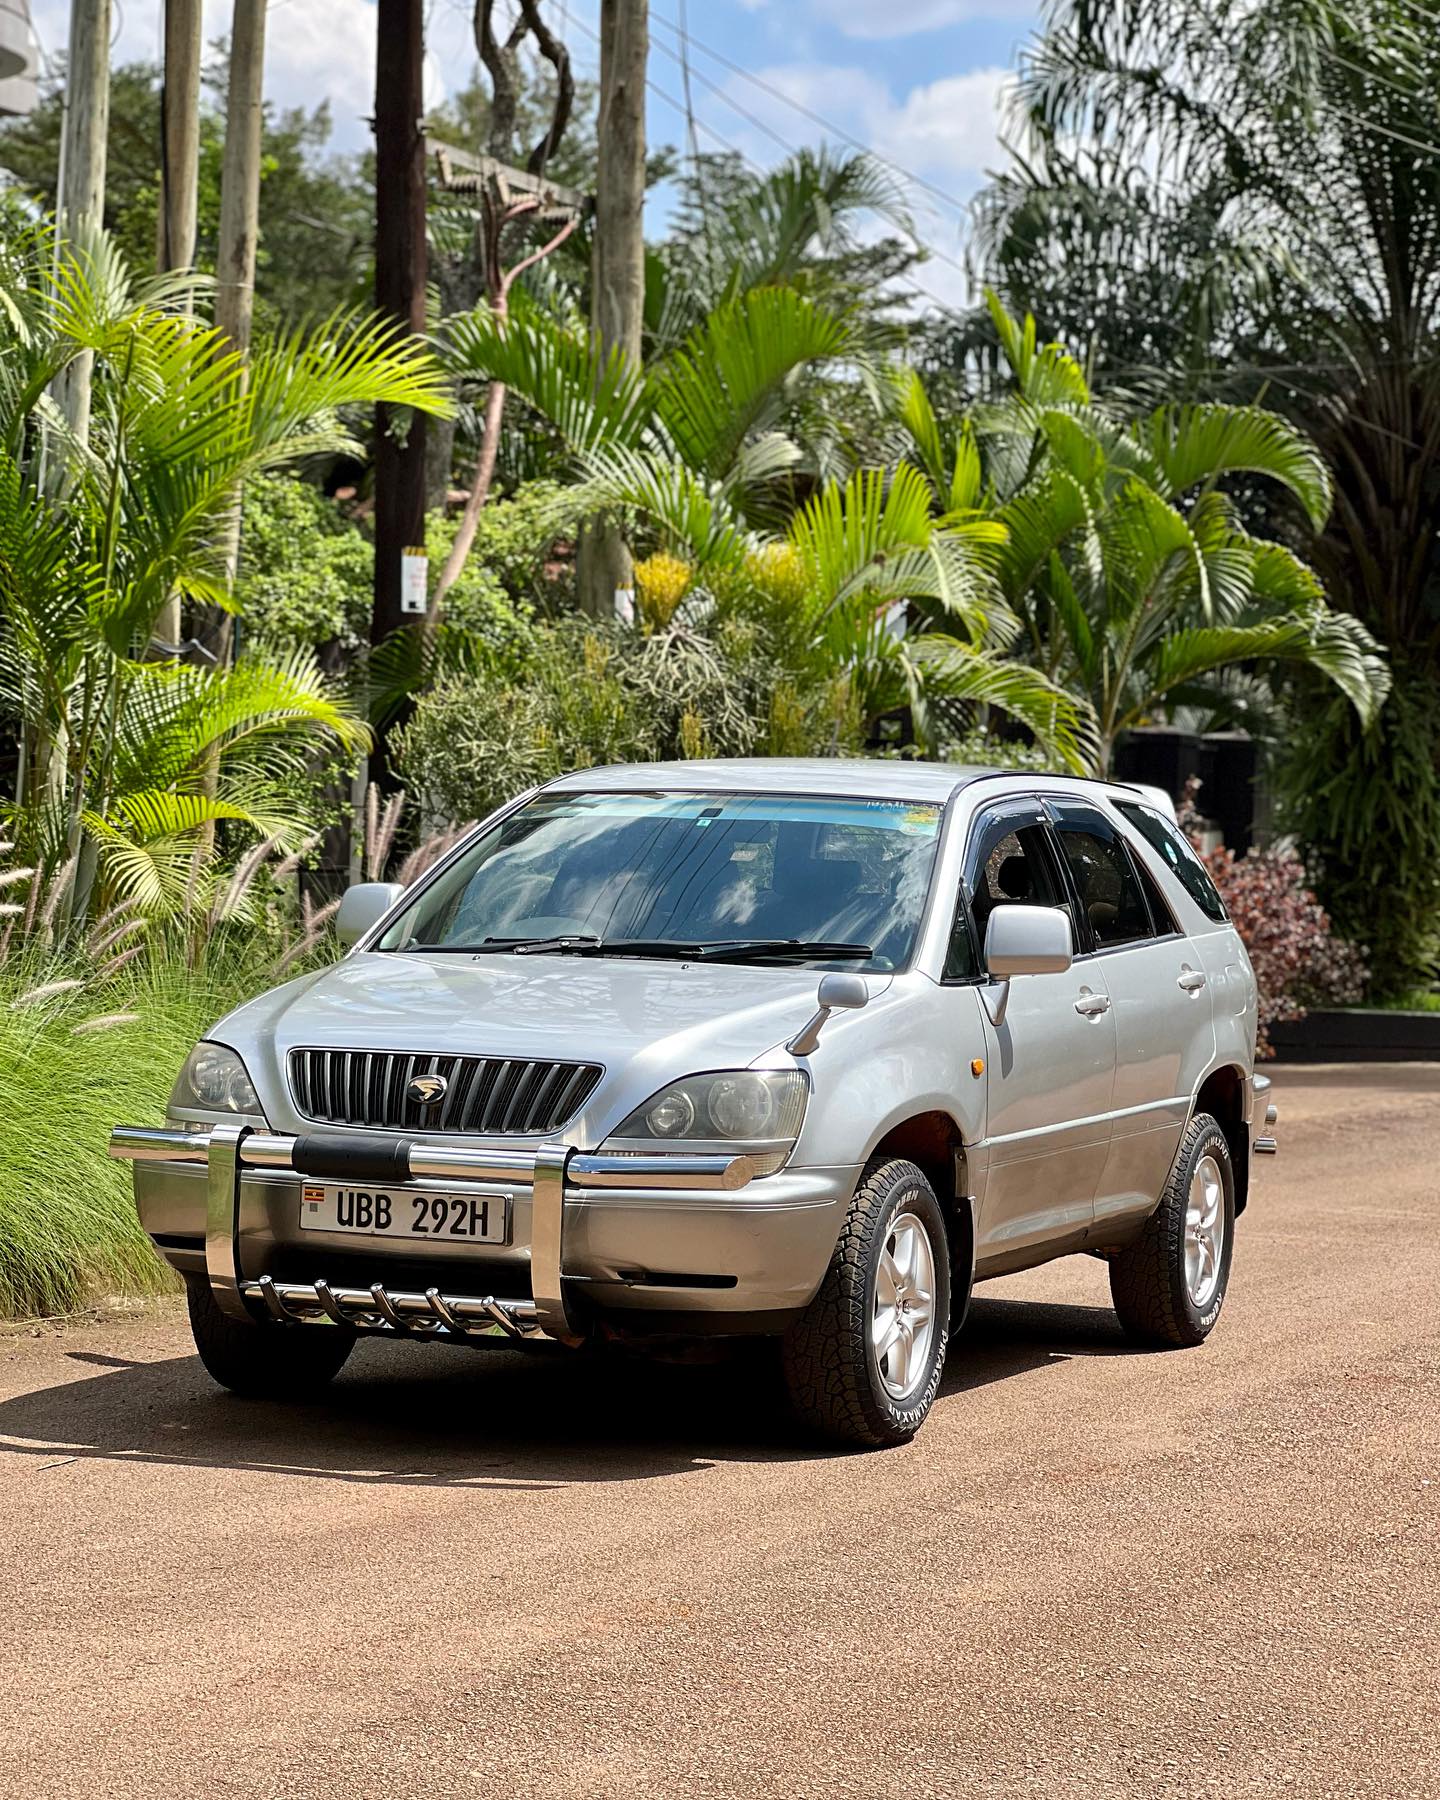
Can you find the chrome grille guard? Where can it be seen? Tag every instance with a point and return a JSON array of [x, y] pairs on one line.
[[228, 1151]]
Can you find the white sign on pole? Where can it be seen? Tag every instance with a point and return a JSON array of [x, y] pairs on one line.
[[414, 581]]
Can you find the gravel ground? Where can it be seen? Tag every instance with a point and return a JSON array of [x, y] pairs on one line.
[[1095, 1573]]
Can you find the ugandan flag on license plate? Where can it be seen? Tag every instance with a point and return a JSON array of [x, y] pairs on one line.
[[312, 1196]]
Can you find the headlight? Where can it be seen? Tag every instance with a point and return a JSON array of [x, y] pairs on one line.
[[214, 1080], [752, 1109]]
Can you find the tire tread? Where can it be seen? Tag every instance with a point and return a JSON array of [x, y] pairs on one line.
[[829, 1385], [1147, 1278]]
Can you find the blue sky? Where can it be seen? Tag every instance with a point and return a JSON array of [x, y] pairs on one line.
[[919, 81]]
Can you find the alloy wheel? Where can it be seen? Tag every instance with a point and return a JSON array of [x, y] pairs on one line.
[[1204, 1232], [902, 1321]]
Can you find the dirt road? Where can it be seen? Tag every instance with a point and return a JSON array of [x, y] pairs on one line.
[[1095, 1573]]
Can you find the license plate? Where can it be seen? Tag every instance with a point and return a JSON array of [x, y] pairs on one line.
[[406, 1213]]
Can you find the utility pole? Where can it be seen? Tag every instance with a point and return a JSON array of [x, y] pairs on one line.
[[179, 180], [618, 300], [400, 272], [82, 160]]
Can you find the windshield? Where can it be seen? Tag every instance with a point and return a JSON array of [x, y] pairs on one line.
[[739, 874]]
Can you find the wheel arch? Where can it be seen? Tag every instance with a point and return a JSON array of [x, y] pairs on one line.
[[1222, 1094], [934, 1141]]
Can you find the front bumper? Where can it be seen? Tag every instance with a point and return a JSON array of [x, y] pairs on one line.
[[591, 1235]]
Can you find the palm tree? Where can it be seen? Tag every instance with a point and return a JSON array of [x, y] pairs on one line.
[[1228, 201], [1126, 563], [116, 783]]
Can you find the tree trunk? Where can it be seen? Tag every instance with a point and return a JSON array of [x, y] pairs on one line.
[[82, 159], [235, 301], [618, 302], [179, 178], [239, 234], [400, 271], [180, 139]]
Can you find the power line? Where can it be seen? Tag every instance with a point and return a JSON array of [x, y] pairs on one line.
[[791, 149], [777, 93], [917, 288]]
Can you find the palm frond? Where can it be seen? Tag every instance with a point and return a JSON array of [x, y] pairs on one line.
[[590, 396], [1195, 445]]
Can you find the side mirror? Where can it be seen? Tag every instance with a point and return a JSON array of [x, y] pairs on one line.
[[1024, 940], [836, 993], [364, 905]]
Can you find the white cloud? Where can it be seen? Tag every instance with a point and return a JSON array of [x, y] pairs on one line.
[[942, 129], [950, 126], [903, 18]]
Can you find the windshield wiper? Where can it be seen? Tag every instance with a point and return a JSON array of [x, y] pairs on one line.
[[779, 949], [676, 949]]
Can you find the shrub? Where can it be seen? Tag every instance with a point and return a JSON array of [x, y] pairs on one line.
[[1297, 958], [306, 568], [1365, 807], [591, 692], [73, 1062]]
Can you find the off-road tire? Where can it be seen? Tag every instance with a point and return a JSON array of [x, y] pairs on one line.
[[1147, 1280], [264, 1362], [830, 1374]]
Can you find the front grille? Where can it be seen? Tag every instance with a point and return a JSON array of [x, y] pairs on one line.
[[485, 1094]]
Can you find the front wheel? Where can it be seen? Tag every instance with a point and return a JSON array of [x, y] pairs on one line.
[[863, 1362], [264, 1362], [1168, 1286]]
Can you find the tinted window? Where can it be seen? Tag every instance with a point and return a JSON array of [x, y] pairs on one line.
[[1008, 864], [1105, 883], [687, 868], [1160, 914], [1175, 849]]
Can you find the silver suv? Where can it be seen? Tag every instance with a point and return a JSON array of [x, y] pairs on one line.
[[795, 1048]]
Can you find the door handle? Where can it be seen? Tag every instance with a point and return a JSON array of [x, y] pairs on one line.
[[1192, 981], [1091, 1006]]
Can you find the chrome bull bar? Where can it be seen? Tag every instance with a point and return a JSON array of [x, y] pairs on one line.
[[229, 1150], [409, 1313]]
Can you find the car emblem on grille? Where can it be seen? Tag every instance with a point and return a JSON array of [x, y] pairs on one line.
[[427, 1089]]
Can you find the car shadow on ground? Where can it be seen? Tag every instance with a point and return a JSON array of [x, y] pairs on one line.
[[429, 1416]]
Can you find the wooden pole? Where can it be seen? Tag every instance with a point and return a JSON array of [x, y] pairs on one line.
[[180, 135], [82, 153], [235, 250], [179, 180], [400, 271], [240, 175], [618, 302]]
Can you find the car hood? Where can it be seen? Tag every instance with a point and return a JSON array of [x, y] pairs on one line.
[[646, 1022]]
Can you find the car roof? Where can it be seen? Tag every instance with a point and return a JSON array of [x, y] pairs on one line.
[[879, 778]]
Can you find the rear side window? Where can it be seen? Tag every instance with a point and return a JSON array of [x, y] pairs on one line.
[[1175, 850], [1105, 883]]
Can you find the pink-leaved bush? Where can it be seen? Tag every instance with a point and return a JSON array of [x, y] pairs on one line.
[[1297, 958]]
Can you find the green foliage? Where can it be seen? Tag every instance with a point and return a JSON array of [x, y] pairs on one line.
[[127, 765], [1366, 806], [1226, 201], [306, 569], [513, 569], [1125, 563], [589, 693], [71, 1065]]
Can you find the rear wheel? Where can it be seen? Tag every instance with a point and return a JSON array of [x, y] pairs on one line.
[[1169, 1286], [264, 1362], [863, 1362]]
